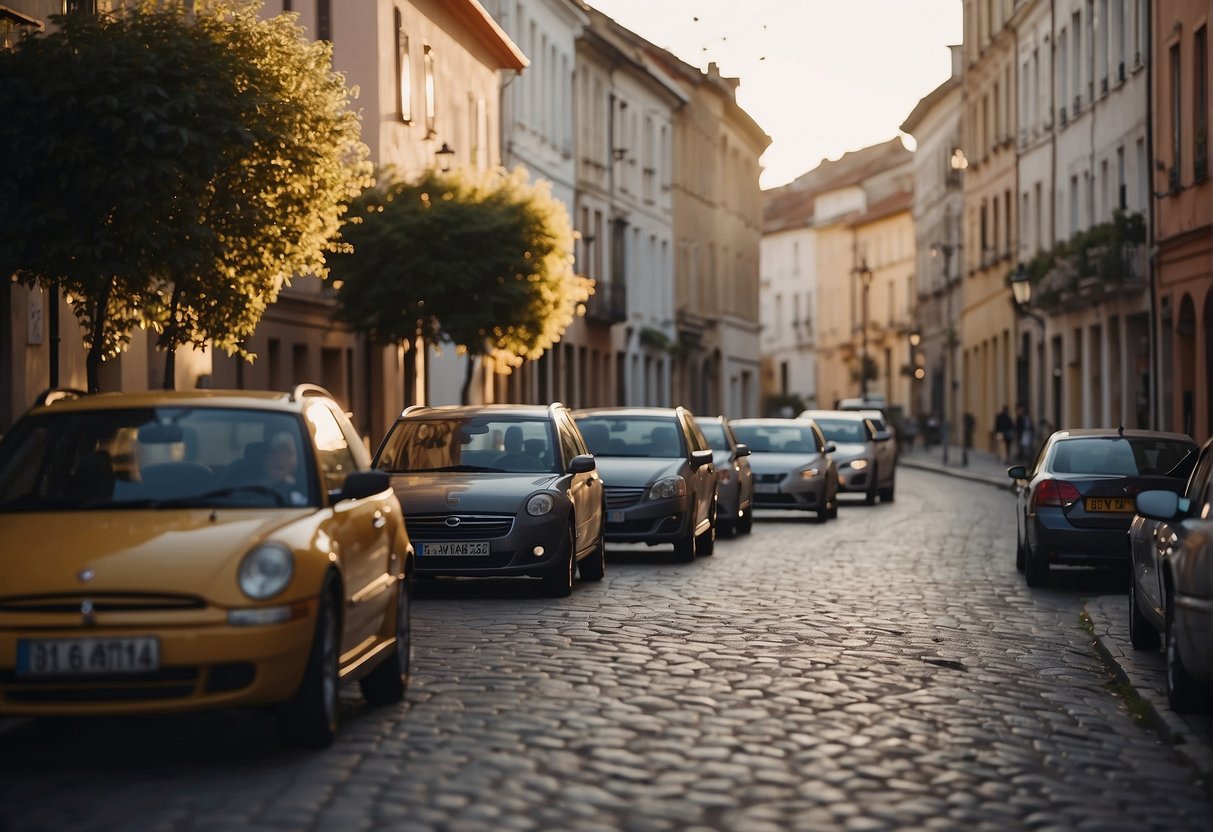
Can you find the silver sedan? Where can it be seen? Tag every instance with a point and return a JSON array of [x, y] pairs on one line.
[[791, 464]]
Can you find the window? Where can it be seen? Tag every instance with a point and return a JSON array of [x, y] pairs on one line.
[[1073, 205], [324, 20], [1200, 110], [1176, 121], [404, 85], [1121, 195], [430, 108], [1063, 79], [1076, 58]]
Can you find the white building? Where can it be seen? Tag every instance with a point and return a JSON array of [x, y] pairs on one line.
[[788, 292]]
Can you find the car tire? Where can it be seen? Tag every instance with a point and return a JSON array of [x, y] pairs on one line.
[[705, 547], [870, 497], [834, 503], [558, 582], [593, 566], [727, 527], [745, 524], [684, 547], [1184, 693], [887, 494], [1142, 634], [1035, 567], [309, 719], [386, 684], [1019, 551]]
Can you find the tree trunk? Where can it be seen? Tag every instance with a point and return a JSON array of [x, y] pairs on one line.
[[467, 379], [170, 338], [93, 362]]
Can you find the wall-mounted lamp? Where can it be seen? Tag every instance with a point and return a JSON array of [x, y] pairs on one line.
[[445, 156]]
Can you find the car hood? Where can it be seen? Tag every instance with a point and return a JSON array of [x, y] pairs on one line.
[[780, 463], [844, 451], [637, 472], [137, 550], [444, 493]]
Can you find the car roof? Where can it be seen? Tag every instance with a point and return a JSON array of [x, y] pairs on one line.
[[766, 420], [853, 415], [1115, 433], [627, 411], [285, 401], [720, 419], [460, 411]]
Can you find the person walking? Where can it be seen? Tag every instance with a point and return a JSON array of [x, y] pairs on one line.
[[1004, 433], [1025, 434]]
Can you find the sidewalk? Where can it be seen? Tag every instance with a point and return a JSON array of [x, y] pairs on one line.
[[1190, 734]]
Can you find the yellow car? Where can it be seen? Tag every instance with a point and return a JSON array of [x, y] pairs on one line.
[[173, 551]]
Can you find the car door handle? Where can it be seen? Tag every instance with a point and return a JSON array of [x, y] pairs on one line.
[[380, 521]]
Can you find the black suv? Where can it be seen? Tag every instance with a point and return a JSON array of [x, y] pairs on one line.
[[660, 482]]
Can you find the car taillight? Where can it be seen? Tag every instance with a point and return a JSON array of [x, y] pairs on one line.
[[1056, 493]]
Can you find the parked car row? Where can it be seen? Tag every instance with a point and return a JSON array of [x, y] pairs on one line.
[[181, 550], [1141, 502]]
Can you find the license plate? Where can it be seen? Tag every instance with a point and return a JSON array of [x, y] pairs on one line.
[[466, 548], [615, 517], [1116, 505], [766, 488], [87, 656]]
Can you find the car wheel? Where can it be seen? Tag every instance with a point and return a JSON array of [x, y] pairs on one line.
[[593, 566], [1019, 551], [834, 503], [1036, 567], [387, 683], [870, 497], [684, 548], [746, 524], [1184, 693], [887, 494], [705, 547], [1142, 633], [727, 526], [558, 583], [309, 719]]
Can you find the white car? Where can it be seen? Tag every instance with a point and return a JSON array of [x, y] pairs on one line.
[[864, 452]]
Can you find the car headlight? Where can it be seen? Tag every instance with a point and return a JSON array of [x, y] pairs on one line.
[[809, 473], [266, 571], [858, 464], [667, 488], [540, 504]]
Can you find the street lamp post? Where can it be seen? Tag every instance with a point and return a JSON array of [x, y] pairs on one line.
[[865, 276], [946, 250], [1021, 297]]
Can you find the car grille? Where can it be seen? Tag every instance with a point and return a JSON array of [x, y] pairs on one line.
[[620, 497], [470, 526], [775, 499], [101, 602], [167, 683], [769, 477]]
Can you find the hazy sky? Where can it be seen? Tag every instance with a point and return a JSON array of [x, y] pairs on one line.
[[820, 76]]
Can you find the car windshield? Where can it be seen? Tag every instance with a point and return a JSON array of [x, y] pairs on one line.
[[777, 439], [641, 436], [1117, 456], [163, 457], [842, 430], [714, 433], [480, 443]]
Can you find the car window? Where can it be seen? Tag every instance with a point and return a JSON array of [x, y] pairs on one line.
[[713, 432], [842, 430], [1116, 455], [156, 457], [332, 448], [634, 436], [481, 442], [765, 439]]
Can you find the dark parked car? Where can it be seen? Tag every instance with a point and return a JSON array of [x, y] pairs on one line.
[[660, 481], [734, 479], [791, 464], [497, 490], [1172, 585], [1075, 503]]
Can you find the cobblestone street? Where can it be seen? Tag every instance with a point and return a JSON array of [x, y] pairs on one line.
[[885, 670]]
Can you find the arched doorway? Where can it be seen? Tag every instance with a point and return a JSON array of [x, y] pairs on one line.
[[1185, 364]]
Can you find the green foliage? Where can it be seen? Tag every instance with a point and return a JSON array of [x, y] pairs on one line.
[[1099, 250], [481, 259], [169, 174]]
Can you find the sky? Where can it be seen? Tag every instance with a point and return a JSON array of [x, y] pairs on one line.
[[821, 77]]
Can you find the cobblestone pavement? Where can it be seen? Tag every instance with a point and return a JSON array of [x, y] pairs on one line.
[[886, 670]]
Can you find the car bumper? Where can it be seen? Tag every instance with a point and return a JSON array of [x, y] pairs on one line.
[[1072, 546], [1193, 623], [803, 495], [201, 667], [649, 521], [510, 555], [849, 480]]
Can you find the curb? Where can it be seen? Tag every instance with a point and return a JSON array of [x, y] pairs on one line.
[[936, 468], [1172, 728]]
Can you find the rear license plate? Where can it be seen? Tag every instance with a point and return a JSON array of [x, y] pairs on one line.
[[87, 656], [466, 548], [766, 488], [615, 517], [1114, 505]]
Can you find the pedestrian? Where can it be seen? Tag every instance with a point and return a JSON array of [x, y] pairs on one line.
[[931, 437], [1025, 434], [911, 430], [1004, 433]]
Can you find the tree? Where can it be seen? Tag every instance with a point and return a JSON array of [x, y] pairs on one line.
[[173, 172], [481, 259]]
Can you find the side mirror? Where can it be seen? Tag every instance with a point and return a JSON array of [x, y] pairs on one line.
[[1158, 505], [881, 436], [582, 464], [1018, 472], [830, 448], [362, 484], [742, 450], [700, 459]]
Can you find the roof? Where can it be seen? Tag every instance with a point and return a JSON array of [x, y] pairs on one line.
[[247, 399], [463, 411], [924, 106], [894, 203], [766, 420], [851, 415], [493, 37], [626, 411], [16, 18], [1114, 433]]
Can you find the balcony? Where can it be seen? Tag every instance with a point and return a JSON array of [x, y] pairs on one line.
[[608, 305], [1104, 262]]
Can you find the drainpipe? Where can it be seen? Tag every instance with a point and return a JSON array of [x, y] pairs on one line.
[[1155, 388]]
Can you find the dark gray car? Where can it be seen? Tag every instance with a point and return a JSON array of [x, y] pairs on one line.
[[734, 479], [659, 478], [863, 450], [498, 490]]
